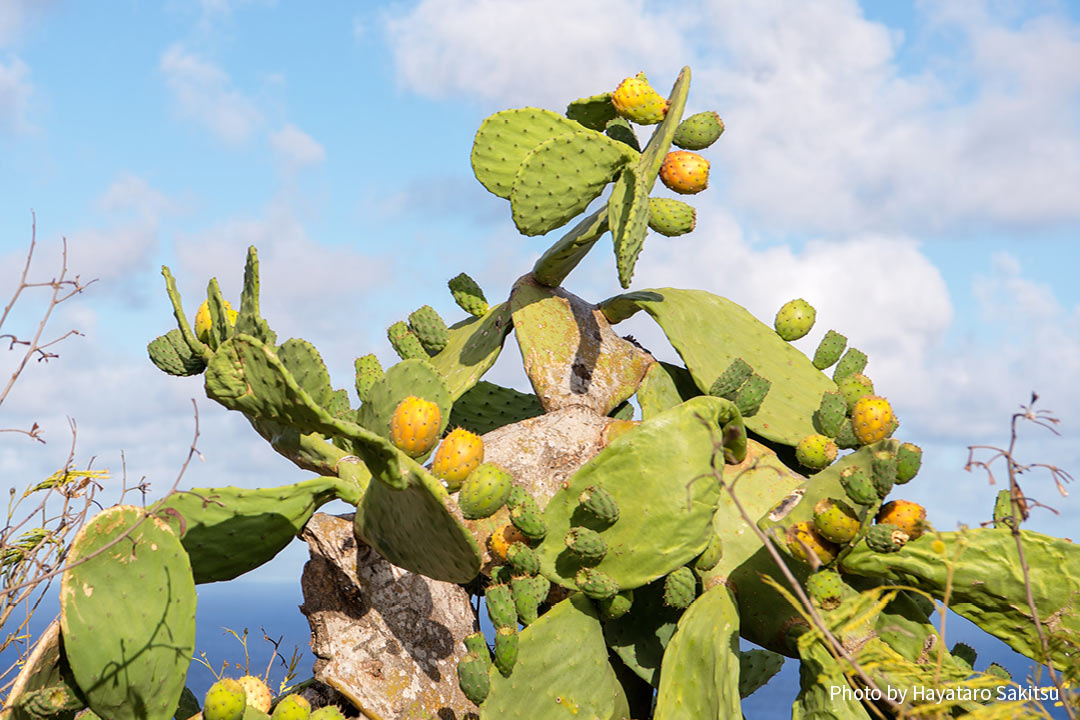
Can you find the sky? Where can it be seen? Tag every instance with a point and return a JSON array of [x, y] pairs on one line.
[[911, 169]]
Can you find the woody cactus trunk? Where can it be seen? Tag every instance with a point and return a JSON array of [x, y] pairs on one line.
[[604, 516]]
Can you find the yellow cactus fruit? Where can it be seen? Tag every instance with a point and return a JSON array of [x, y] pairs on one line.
[[804, 533], [460, 453], [501, 540], [203, 319], [907, 515], [636, 101], [414, 426], [258, 695], [871, 418]]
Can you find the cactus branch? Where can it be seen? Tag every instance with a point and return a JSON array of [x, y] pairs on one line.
[[562, 257]]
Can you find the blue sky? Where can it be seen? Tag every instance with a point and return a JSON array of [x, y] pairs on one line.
[[912, 169]]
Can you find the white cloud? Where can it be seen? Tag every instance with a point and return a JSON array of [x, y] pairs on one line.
[[204, 92], [295, 148], [530, 52], [15, 92], [828, 130]]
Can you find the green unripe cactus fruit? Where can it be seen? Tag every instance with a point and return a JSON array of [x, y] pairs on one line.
[[429, 328], [835, 520], [292, 707], [680, 588], [829, 350], [853, 387], [500, 605], [886, 538], [698, 131], [729, 381], [845, 436], [47, 702], [405, 343], [225, 700], [815, 451], [883, 472], [752, 393], [484, 491], [756, 668], [965, 654], [517, 497], [473, 678], [506, 649], [523, 559], [586, 544], [616, 606], [853, 361], [714, 551], [599, 503], [529, 592], [858, 485], [908, 462], [830, 414], [328, 712], [528, 519], [671, 217], [794, 319], [368, 372], [825, 588], [596, 584], [476, 644], [468, 295]]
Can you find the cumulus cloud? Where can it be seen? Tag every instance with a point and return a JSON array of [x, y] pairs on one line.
[[530, 52], [295, 149], [204, 92], [828, 130]]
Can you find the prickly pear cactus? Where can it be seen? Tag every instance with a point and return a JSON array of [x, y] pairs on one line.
[[648, 538]]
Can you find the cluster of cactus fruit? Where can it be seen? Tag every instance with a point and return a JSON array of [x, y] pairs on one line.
[[617, 579]]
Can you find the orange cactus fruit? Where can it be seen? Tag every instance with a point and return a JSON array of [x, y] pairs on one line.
[[460, 453], [804, 533], [871, 418], [499, 542], [687, 173], [414, 426], [907, 515]]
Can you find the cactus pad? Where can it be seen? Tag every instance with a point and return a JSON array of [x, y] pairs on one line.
[[429, 327], [171, 354], [594, 112], [908, 461], [506, 649], [853, 361], [829, 350], [680, 588], [468, 295], [506, 138]]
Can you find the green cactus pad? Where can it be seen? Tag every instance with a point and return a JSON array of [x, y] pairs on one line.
[[487, 406], [594, 112], [829, 350], [528, 519], [548, 683], [830, 414], [306, 366], [752, 394], [428, 326], [655, 475], [908, 461], [171, 354], [220, 327], [405, 343], [640, 636], [128, 615], [408, 378], [663, 387], [756, 668], [1004, 517], [220, 523], [473, 347], [368, 370], [628, 218], [473, 677], [248, 319], [615, 607], [883, 471], [523, 559], [468, 295], [701, 663], [727, 384], [964, 653], [620, 129], [506, 138], [845, 436], [560, 177], [988, 580], [529, 591], [476, 644], [197, 347], [709, 332], [564, 255], [44, 670]]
